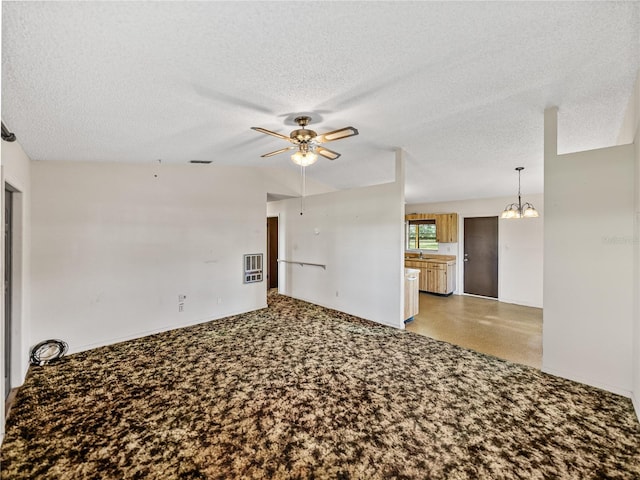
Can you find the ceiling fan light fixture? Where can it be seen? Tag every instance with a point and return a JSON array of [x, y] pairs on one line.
[[307, 142], [304, 159]]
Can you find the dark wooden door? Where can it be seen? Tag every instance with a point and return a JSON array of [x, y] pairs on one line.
[[272, 252], [481, 256], [8, 227]]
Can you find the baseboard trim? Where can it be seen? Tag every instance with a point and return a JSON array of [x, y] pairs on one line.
[[518, 302], [480, 296], [499, 299], [166, 328], [636, 405], [588, 381]]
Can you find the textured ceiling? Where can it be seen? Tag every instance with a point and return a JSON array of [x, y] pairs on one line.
[[460, 86]]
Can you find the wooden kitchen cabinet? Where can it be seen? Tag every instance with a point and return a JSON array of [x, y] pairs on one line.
[[422, 277], [440, 278], [435, 277], [411, 296], [446, 225], [447, 228]]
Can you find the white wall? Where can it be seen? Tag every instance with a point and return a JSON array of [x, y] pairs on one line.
[[288, 182], [114, 245], [520, 245], [358, 235], [633, 118], [16, 172], [588, 272], [636, 333], [628, 129]]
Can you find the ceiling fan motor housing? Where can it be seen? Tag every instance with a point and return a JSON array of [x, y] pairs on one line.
[[302, 120], [303, 135]]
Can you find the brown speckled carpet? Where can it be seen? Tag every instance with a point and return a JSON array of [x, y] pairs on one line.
[[299, 391]]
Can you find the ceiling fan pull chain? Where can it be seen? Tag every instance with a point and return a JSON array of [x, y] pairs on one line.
[[304, 186]]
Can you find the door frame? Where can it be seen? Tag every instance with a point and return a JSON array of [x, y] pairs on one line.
[[7, 278], [277, 250], [17, 367]]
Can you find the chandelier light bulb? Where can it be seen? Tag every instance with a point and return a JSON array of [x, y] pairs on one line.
[[529, 211]]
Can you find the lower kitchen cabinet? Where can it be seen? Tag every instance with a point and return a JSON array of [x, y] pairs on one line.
[[411, 297], [440, 278], [435, 277], [422, 276]]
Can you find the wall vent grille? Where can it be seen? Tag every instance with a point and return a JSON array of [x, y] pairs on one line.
[[253, 268]]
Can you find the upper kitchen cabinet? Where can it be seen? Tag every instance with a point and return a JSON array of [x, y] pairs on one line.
[[446, 225]]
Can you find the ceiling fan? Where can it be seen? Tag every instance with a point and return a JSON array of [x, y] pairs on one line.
[[308, 142]]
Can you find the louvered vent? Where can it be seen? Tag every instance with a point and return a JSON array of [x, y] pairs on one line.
[[253, 268]]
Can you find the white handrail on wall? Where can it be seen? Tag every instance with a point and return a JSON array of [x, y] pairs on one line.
[[302, 264]]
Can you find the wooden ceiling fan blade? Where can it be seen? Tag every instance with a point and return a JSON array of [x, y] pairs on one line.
[[337, 134], [269, 132], [326, 153], [271, 154]]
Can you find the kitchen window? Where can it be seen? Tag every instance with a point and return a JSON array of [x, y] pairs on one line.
[[421, 235]]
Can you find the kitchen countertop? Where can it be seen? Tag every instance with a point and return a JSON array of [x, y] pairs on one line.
[[447, 259]]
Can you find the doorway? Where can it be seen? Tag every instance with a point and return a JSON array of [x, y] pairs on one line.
[[272, 252], [8, 255], [481, 256]]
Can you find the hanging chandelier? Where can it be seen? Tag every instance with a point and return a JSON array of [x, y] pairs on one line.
[[519, 210]]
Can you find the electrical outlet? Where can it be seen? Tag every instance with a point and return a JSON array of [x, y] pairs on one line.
[[219, 300], [181, 307], [181, 298]]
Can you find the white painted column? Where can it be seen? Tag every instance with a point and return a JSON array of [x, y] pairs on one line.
[[400, 179], [588, 272]]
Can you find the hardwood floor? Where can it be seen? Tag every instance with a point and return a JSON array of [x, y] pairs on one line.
[[507, 331]]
